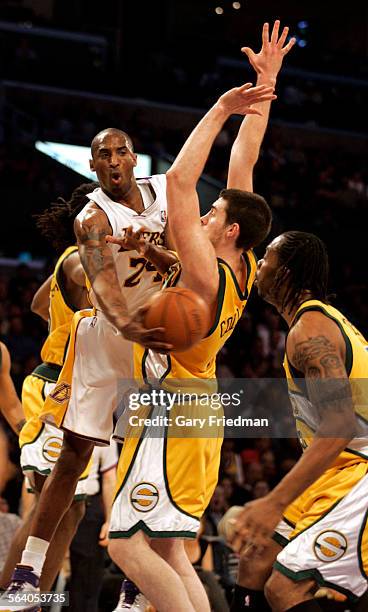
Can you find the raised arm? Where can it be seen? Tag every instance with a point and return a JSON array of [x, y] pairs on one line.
[[91, 227], [267, 64], [194, 249], [41, 300], [10, 405], [316, 348]]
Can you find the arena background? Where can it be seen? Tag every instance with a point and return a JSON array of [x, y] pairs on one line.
[[69, 69]]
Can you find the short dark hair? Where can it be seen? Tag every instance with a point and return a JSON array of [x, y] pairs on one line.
[[115, 131], [252, 214], [304, 266], [56, 223]]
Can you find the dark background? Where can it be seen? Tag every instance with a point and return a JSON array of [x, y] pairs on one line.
[[69, 69]]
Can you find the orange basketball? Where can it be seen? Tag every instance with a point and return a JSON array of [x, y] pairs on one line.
[[183, 314]]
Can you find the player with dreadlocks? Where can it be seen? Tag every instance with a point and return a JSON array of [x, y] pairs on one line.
[[63, 293], [323, 499]]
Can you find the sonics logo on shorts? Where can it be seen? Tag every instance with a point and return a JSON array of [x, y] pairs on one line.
[[61, 393], [144, 497], [330, 546], [51, 448]]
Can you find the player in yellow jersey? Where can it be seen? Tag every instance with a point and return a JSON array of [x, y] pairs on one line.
[[165, 483], [58, 298], [323, 499], [155, 507]]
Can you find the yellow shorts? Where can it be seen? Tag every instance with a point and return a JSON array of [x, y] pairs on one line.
[[164, 483], [325, 534], [41, 443]]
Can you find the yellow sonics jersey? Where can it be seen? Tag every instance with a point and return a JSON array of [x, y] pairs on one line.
[[199, 362], [61, 314], [356, 363]]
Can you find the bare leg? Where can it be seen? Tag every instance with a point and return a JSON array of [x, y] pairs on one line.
[[173, 552], [283, 593], [255, 568], [58, 491], [17, 546], [58, 545], [152, 575]]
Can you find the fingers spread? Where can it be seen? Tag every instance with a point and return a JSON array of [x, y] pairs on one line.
[[265, 34], [275, 32], [289, 46], [282, 38]]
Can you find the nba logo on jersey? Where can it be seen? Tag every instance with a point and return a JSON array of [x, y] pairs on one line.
[[163, 216], [247, 601]]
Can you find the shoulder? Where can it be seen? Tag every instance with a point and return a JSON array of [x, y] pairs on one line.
[[312, 336], [91, 219], [313, 324]]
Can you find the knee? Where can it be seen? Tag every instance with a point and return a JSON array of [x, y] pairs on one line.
[[77, 511], [273, 590], [121, 553], [282, 592], [255, 569]]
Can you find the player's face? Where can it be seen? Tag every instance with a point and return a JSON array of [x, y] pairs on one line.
[[266, 272], [114, 161], [214, 222]]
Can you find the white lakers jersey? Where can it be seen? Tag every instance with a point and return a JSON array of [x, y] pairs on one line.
[[138, 278]]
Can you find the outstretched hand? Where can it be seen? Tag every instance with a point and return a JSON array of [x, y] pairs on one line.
[[239, 100], [130, 240], [269, 60]]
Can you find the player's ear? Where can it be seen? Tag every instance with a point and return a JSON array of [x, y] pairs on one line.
[[92, 165], [233, 231], [135, 159]]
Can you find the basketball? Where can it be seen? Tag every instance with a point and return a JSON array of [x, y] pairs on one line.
[[183, 314]]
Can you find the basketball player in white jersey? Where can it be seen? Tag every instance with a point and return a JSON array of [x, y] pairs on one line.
[[120, 283]]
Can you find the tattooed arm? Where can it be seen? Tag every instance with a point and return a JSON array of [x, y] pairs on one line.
[[316, 348], [91, 227]]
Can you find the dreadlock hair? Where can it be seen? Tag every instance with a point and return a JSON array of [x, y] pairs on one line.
[[56, 223], [251, 212], [303, 267]]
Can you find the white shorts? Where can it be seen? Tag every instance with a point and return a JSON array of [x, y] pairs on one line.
[[41, 455], [102, 374], [164, 484], [334, 549]]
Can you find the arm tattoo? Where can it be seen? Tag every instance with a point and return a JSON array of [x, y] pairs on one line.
[[318, 349], [93, 253], [325, 374]]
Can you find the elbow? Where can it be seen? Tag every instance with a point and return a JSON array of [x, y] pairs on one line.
[[172, 178], [35, 307]]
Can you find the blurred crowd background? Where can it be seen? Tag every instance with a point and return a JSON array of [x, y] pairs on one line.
[[68, 70]]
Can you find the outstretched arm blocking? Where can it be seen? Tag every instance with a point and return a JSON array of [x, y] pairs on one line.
[[195, 251], [267, 64]]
